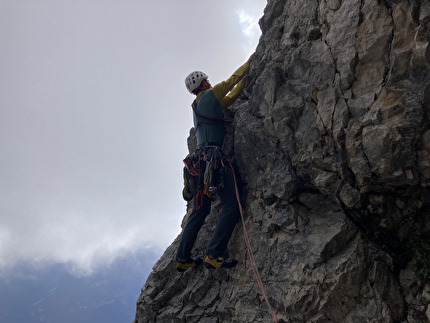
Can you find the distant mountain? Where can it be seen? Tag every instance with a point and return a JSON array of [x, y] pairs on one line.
[[53, 295]]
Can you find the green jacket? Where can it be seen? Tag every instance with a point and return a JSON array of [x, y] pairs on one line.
[[211, 103]]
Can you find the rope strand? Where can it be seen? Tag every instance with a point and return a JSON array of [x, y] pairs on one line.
[[248, 247]]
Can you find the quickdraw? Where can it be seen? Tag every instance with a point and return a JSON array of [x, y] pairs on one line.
[[207, 166]]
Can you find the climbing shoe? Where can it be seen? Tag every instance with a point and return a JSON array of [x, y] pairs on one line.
[[219, 263], [181, 266]]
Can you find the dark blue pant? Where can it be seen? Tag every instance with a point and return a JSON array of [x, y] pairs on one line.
[[225, 225]]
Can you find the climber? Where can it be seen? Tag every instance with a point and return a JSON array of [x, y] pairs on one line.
[[209, 125]]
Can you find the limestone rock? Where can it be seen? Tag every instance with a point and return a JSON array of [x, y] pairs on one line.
[[332, 142]]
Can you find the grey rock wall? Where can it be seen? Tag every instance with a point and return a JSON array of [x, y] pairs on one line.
[[332, 141]]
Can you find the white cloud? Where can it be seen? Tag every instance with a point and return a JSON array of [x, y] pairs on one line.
[[248, 17], [248, 23]]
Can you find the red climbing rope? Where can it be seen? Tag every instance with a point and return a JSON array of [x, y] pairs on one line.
[[250, 255]]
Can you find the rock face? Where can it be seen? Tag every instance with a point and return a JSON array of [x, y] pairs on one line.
[[332, 141]]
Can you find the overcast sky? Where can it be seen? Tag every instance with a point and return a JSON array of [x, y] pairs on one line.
[[94, 120]]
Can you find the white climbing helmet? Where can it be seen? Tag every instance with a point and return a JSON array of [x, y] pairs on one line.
[[194, 80]]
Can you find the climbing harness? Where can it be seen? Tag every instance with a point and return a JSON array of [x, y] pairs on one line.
[[250, 254], [206, 167]]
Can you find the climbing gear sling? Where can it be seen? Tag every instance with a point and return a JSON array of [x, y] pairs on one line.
[[204, 173]]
